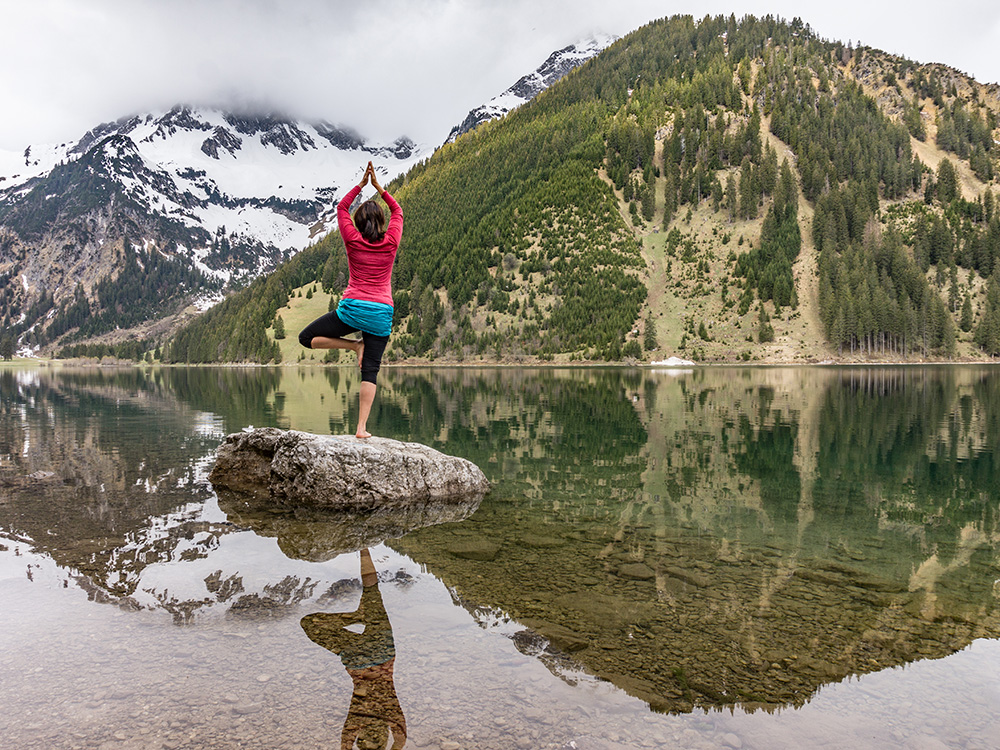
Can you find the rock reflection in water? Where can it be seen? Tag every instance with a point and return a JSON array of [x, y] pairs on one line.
[[317, 535], [369, 656]]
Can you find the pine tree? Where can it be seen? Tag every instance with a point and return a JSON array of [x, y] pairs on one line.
[[839, 328], [716, 194], [966, 321], [947, 181], [913, 121], [930, 190], [765, 331], [731, 198], [749, 190], [769, 171], [987, 335], [649, 334], [279, 327], [946, 334], [648, 199], [7, 346]]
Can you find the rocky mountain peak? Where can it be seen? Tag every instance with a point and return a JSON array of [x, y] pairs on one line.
[[117, 154], [181, 117]]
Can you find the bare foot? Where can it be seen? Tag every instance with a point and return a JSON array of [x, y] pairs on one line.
[[362, 434], [361, 352]]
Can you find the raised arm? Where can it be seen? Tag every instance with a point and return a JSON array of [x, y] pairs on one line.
[[347, 229]]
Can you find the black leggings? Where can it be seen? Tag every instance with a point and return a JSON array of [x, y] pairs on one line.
[[332, 327]]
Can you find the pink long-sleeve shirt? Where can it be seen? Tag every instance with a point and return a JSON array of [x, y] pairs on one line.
[[369, 265]]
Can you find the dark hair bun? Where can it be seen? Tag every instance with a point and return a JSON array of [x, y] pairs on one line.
[[370, 221]]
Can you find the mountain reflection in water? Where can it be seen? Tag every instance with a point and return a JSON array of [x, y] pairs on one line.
[[743, 537], [724, 537]]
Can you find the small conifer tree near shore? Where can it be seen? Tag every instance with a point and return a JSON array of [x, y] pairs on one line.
[[966, 321], [765, 333], [7, 346], [649, 335]]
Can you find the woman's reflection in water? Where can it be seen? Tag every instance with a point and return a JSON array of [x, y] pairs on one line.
[[368, 657]]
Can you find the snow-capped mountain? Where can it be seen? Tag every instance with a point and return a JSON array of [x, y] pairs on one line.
[[221, 195], [558, 64], [266, 180]]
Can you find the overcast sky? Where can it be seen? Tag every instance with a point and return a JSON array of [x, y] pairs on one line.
[[386, 68]]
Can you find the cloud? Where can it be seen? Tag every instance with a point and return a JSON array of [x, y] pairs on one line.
[[386, 68], [398, 66]]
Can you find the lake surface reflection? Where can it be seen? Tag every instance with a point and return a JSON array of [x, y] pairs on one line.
[[710, 558]]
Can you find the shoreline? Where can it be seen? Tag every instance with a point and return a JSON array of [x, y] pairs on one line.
[[24, 363]]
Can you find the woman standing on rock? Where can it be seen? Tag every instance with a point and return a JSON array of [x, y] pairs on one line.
[[366, 304]]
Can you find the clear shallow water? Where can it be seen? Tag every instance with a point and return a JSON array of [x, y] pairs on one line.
[[757, 558]]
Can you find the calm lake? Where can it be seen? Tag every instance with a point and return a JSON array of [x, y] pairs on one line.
[[712, 558]]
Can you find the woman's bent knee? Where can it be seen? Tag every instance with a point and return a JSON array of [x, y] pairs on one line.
[[328, 326]]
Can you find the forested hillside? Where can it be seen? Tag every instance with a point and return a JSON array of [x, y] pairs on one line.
[[720, 190]]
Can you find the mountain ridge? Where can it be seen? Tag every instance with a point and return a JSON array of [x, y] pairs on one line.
[[224, 196]]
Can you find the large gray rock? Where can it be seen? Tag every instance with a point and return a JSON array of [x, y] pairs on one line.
[[340, 471]]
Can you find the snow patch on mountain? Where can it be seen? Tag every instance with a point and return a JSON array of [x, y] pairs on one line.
[[19, 167], [261, 176], [558, 64]]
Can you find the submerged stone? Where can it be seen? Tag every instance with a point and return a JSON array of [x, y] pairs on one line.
[[541, 542], [637, 572], [688, 576], [562, 637], [340, 471], [481, 550]]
